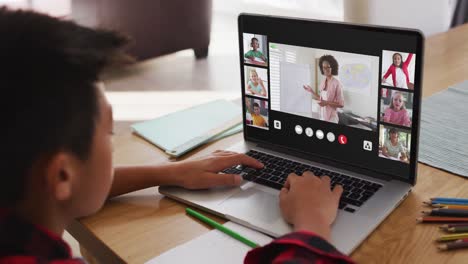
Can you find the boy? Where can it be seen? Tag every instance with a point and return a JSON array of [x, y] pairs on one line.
[[57, 162], [255, 53], [257, 118]]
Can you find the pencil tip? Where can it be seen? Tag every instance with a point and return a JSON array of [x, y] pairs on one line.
[[442, 247]]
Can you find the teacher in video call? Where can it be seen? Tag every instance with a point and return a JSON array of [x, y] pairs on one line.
[[331, 90]]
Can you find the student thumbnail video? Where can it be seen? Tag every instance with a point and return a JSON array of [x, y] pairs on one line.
[[394, 144], [396, 107], [255, 49], [332, 86], [256, 112], [256, 81], [398, 69]]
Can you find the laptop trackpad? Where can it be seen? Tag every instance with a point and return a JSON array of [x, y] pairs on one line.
[[253, 204]]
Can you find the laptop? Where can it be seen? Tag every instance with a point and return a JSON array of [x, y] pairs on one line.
[[336, 99]]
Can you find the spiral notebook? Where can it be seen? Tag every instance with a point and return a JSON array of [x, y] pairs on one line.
[[179, 132]]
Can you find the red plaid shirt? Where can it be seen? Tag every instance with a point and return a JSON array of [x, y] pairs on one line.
[[23, 242], [299, 248]]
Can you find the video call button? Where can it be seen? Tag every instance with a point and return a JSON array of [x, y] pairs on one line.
[[277, 124], [367, 145], [319, 134], [342, 139], [298, 129]]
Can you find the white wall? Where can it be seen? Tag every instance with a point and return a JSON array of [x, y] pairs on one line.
[[429, 16]]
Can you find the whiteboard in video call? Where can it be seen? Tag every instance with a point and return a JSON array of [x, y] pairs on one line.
[[295, 99]]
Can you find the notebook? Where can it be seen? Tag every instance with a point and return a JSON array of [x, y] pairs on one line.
[[179, 132], [213, 247]]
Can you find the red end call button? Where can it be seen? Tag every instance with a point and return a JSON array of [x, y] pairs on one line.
[[342, 139]]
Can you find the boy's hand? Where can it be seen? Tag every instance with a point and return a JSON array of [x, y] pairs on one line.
[[308, 203], [203, 173]]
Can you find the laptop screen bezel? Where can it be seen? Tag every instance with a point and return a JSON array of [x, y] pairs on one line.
[[270, 20]]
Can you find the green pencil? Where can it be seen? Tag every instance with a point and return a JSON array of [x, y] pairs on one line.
[[221, 228]]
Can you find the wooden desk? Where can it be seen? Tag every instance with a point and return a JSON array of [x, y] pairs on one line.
[[136, 227]]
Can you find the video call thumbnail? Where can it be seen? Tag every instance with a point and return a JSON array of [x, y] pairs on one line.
[[255, 49], [256, 81], [331, 86], [396, 107], [394, 144], [256, 112], [398, 69]]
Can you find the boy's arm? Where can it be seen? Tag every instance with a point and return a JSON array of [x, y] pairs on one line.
[[298, 247], [192, 174], [310, 206]]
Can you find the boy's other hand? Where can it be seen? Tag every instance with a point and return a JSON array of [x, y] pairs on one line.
[[203, 173], [307, 203]]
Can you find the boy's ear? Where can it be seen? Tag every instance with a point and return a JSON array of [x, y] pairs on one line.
[[61, 173]]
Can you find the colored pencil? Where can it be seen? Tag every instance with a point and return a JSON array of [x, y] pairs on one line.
[[450, 206], [431, 203], [441, 219], [221, 228], [446, 199], [447, 226], [457, 229], [453, 245], [452, 237], [447, 212]]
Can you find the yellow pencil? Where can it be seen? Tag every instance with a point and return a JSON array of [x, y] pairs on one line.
[[452, 237]]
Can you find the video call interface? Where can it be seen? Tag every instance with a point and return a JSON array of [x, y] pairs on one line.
[[352, 105]]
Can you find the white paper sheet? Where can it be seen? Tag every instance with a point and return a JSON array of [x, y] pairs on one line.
[[213, 247]]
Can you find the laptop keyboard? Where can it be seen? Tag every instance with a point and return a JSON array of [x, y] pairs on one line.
[[355, 191]]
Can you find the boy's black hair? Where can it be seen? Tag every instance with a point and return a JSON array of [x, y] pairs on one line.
[[332, 61], [256, 105], [48, 69], [254, 38]]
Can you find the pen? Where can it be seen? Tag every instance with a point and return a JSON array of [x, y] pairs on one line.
[[221, 228]]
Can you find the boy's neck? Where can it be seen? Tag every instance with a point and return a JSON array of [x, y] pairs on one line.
[[46, 216]]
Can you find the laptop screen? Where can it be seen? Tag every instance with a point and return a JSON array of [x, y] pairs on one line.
[[343, 94]]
